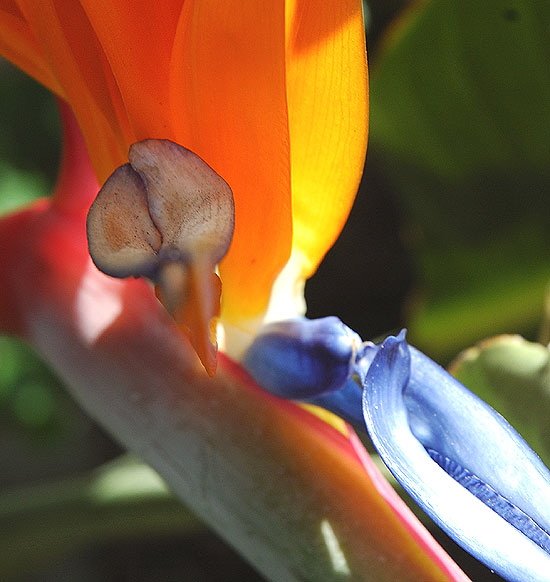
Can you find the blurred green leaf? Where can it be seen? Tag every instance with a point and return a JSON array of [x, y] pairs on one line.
[[30, 394], [11, 362], [513, 376], [29, 141], [122, 500], [30, 138], [460, 118], [34, 404], [18, 188]]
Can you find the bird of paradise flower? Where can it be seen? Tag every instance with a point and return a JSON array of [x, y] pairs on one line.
[[273, 98]]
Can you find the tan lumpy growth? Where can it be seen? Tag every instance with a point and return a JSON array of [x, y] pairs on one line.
[[168, 216], [190, 204], [122, 237]]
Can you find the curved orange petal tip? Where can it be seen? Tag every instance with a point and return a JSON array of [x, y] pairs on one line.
[[19, 45], [167, 216], [328, 119]]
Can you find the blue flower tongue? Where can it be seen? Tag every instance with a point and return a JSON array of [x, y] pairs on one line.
[[460, 461]]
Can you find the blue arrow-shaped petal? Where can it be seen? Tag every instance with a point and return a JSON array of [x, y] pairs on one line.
[[460, 461]]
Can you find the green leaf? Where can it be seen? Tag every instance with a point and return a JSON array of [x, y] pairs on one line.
[[18, 188], [460, 118], [122, 500], [30, 139], [513, 376], [31, 397]]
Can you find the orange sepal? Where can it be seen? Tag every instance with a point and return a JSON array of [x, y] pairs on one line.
[[196, 308]]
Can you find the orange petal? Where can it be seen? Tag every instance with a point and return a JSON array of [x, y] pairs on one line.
[[137, 39], [18, 44], [228, 101], [328, 115], [70, 47]]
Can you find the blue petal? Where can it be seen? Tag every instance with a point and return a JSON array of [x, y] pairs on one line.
[[460, 461], [300, 358]]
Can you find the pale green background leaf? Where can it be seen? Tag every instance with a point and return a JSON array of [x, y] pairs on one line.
[[512, 375], [461, 120]]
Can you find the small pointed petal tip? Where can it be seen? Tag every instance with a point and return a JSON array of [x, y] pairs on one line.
[[191, 295]]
